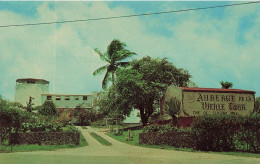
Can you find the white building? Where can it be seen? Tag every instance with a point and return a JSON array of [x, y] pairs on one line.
[[38, 89]]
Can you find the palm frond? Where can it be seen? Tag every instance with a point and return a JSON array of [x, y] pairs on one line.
[[114, 46], [100, 70], [102, 56], [124, 54]]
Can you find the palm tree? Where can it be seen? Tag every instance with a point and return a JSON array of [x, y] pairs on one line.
[[226, 85], [114, 57]]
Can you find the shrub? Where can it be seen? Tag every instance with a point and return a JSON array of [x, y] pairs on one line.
[[227, 133], [48, 109], [10, 119], [40, 127], [99, 123], [163, 128]]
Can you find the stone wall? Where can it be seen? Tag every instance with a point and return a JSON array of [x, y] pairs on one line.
[[175, 139], [45, 138]]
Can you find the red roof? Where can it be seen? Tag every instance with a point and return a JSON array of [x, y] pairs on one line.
[[216, 90]]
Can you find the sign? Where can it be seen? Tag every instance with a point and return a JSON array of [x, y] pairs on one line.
[[198, 103]]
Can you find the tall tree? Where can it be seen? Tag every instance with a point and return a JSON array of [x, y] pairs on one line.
[[114, 57], [142, 86], [226, 85]]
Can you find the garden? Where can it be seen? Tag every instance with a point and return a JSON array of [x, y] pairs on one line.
[[21, 129], [227, 134]]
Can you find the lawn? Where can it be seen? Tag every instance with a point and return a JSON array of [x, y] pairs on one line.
[[100, 139], [135, 142], [24, 148]]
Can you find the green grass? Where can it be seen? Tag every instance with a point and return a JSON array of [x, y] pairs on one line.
[[24, 148], [135, 142], [84, 127], [100, 139], [122, 137]]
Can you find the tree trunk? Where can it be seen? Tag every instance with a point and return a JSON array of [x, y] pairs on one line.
[[144, 118], [113, 78]]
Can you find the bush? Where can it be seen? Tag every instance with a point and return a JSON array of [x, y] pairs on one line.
[[163, 128], [40, 127], [227, 133], [10, 119], [48, 109], [99, 123], [84, 117]]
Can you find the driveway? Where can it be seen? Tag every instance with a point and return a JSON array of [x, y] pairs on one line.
[[117, 153]]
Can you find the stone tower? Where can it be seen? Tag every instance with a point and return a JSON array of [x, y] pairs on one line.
[[29, 87]]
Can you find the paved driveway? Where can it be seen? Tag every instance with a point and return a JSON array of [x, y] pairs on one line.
[[117, 153]]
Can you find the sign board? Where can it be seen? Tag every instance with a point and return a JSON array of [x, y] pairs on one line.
[[198, 103]]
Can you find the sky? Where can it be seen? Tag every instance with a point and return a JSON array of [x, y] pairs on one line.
[[213, 45]]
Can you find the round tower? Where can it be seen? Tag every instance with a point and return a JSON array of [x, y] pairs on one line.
[[29, 87]]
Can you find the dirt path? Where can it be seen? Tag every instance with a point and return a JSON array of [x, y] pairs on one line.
[[118, 153]]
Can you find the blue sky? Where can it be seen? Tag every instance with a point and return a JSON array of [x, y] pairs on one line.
[[213, 45]]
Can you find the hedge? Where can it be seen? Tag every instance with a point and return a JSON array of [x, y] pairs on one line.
[[174, 138], [209, 133], [227, 133], [45, 138]]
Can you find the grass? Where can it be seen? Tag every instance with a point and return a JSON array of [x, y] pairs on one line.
[[24, 148], [100, 139], [135, 142], [84, 127]]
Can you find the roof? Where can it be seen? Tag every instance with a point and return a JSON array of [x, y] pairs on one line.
[[32, 79], [216, 90]]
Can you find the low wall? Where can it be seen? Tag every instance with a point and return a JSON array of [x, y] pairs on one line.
[[45, 138], [175, 139]]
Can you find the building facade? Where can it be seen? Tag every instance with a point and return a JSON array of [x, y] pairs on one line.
[[29, 87], [68, 101], [38, 91]]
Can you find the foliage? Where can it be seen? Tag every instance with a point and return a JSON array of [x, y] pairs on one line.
[[40, 127], [25, 148], [29, 107], [114, 56], [142, 86], [48, 109], [227, 133], [163, 128], [226, 85], [98, 123], [257, 105], [173, 108], [84, 116], [10, 119]]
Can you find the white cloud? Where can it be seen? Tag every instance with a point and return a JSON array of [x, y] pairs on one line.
[[206, 47]]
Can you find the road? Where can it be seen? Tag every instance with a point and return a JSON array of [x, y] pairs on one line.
[[120, 153]]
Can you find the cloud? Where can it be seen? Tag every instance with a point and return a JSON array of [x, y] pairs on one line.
[[205, 45]]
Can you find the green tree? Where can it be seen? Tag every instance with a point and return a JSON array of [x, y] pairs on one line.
[[173, 108], [48, 109], [10, 118], [226, 85], [257, 105], [114, 57], [142, 86]]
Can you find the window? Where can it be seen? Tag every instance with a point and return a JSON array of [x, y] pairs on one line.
[[76, 98], [30, 82], [85, 97], [67, 98], [48, 97], [57, 97]]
